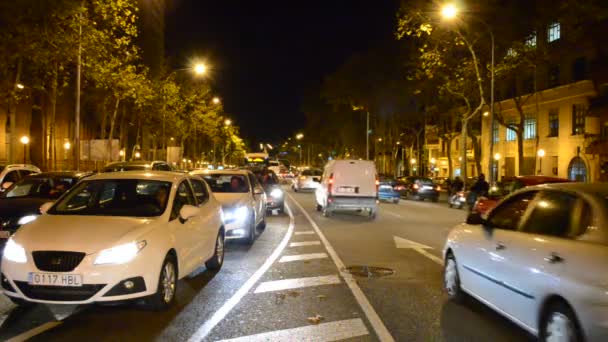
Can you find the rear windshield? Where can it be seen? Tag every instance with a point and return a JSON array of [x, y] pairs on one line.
[[426, 181], [312, 173], [117, 168], [227, 183], [44, 187]]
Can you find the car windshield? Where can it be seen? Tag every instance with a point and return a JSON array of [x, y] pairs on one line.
[[44, 187], [115, 197], [227, 183], [312, 173], [425, 181]]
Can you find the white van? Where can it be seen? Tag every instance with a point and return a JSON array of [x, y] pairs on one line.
[[348, 185]]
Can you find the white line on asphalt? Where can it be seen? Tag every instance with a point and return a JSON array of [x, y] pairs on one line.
[[305, 232], [304, 243], [332, 331], [392, 214], [418, 247], [383, 334], [429, 255], [299, 257], [296, 283], [220, 314], [31, 333]]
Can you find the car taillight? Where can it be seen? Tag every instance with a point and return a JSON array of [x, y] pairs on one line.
[[415, 186], [302, 177], [438, 188], [330, 183], [399, 188]]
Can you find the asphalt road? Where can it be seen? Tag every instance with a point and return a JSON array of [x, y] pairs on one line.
[[294, 283]]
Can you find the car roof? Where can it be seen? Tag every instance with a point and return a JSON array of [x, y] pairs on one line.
[[220, 172], [167, 176], [597, 189], [136, 162], [20, 166], [73, 174], [534, 180]]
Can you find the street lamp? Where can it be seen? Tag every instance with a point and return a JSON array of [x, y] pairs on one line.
[[449, 11], [20, 86], [216, 100], [299, 136], [137, 155], [200, 69], [433, 160], [497, 156], [67, 146], [227, 122], [25, 140], [541, 154]]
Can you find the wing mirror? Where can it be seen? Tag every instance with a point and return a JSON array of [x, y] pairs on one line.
[[188, 211], [475, 219], [45, 207]]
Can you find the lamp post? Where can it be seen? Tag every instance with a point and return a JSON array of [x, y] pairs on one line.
[[541, 154], [25, 140], [497, 157], [299, 137], [449, 12]]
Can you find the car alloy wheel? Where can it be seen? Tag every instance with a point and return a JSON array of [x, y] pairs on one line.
[[169, 279], [167, 286], [216, 261], [560, 325], [451, 279]]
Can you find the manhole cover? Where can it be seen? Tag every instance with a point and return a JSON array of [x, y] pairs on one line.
[[370, 271]]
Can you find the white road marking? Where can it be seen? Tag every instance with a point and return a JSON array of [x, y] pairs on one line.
[[392, 214], [221, 313], [36, 331], [296, 283], [331, 331], [304, 243], [418, 247], [299, 257], [383, 334], [305, 232]]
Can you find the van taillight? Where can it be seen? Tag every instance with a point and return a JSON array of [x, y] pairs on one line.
[[377, 183], [330, 183]]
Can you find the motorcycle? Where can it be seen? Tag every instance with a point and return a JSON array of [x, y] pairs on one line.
[[458, 200]]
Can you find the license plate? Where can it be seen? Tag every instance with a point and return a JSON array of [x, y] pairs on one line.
[[426, 187], [5, 234], [52, 279], [346, 189]]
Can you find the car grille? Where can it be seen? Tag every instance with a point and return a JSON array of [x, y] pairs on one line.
[[56, 261], [59, 293]]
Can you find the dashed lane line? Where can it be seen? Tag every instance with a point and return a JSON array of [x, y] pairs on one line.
[[332, 331], [300, 257], [304, 243], [221, 313], [383, 334], [296, 283]]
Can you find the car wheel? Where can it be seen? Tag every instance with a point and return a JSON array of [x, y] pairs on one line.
[[560, 324], [373, 213], [167, 286], [451, 279], [262, 224], [251, 232], [282, 208], [217, 260]]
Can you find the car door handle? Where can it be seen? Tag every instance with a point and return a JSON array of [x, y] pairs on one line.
[[500, 246], [554, 258]]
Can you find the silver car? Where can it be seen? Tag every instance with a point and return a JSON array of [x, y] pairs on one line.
[[308, 180], [540, 258]]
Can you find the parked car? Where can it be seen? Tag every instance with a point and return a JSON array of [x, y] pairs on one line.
[[420, 188], [308, 180], [243, 201], [539, 258], [21, 203], [10, 174], [116, 237], [509, 185], [137, 166], [348, 185], [387, 193]]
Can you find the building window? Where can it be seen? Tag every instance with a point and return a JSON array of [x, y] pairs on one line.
[[578, 119], [511, 136], [495, 131], [531, 40], [529, 128], [553, 76], [579, 69], [577, 170], [553, 122], [553, 32]]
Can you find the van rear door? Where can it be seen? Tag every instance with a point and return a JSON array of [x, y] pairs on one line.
[[356, 178]]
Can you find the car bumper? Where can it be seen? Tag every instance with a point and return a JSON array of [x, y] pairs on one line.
[[100, 283], [351, 203], [237, 230], [306, 185], [426, 194]]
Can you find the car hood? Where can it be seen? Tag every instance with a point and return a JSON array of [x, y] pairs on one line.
[[88, 234], [18, 207], [230, 199]]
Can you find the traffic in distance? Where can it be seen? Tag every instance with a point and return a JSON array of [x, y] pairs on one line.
[[531, 249]]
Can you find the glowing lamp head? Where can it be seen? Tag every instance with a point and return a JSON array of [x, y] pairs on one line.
[[25, 140], [541, 153], [200, 69], [449, 11]]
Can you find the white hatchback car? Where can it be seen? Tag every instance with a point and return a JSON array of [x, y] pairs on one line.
[[116, 237], [243, 201], [540, 259]]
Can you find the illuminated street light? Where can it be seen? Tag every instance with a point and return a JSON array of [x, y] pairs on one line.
[[216, 100], [121, 153], [24, 140], [413, 161], [184, 160], [200, 69], [379, 139], [137, 155], [541, 154], [497, 156], [20, 86], [227, 122], [299, 136], [449, 11], [398, 142], [486, 113], [261, 146], [433, 160], [67, 146], [269, 146]]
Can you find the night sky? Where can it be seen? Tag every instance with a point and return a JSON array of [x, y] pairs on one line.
[[265, 53]]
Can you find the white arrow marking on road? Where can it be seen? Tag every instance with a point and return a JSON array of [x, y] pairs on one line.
[[418, 247]]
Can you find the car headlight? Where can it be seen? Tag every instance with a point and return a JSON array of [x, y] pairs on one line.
[[120, 254], [276, 193], [14, 252], [27, 219], [237, 214]]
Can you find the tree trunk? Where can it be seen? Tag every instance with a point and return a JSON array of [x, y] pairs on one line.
[[449, 152], [112, 124], [520, 148], [476, 149], [123, 129], [52, 127]]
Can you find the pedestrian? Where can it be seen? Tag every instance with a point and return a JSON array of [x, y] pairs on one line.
[[448, 185], [479, 189], [457, 185]]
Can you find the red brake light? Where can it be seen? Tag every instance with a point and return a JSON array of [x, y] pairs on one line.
[[377, 183]]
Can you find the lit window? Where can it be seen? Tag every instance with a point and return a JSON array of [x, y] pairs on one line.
[[531, 40], [578, 119], [529, 128], [553, 32], [511, 136]]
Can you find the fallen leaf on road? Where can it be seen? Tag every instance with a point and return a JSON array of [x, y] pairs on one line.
[[293, 293], [316, 319]]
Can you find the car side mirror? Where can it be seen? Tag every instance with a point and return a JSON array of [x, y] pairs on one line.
[[6, 185], [45, 207], [258, 191], [475, 219], [188, 211]]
